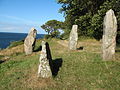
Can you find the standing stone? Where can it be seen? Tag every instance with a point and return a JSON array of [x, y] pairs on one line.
[[109, 35], [44, 69], [29, 42], [73, 38]]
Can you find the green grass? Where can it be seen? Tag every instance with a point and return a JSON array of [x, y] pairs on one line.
[[1, 56], [15, 71], [16, 43], [81, 70]]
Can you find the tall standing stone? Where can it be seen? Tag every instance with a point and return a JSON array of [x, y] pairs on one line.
[[29, 42], [109, 35], [73, 38], [44, 69]]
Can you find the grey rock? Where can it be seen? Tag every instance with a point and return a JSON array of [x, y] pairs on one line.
[[6, 58], [29, 42], [73, 38], [44, 69], [109, 35]]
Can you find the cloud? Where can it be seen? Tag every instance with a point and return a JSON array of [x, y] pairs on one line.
[[22, 20], [16, 24], [19, 28], [11, 27]]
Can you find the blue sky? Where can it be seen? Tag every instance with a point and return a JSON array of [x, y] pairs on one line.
[[21, 15]]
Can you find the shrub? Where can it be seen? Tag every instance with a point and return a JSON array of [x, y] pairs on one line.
[[47, 36]]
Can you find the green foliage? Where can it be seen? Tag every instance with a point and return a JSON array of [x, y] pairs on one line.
[[47, 36], [89, 15], [96, 25], [15, 43], [84, 25], [55, 34], [65, 35], [52, 27]]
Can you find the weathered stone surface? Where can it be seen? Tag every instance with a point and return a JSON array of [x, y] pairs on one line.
[[73, 38], [44, 69], [29, 42], [109, 35], [6, 58]]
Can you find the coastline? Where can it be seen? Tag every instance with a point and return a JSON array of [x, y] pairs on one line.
[[6, 38]]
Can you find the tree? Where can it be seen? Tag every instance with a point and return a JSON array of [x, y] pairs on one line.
[[89, 15], [80, 12], [52, 27]]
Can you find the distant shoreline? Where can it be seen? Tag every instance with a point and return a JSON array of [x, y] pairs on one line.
[[6, 38]]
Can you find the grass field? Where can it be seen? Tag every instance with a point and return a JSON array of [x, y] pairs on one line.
[[78, 70]]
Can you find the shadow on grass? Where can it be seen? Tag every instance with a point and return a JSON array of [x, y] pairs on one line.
[[80, 48], [54, 64], [38, 49], [117, 50], [1, 61], [57, 63]]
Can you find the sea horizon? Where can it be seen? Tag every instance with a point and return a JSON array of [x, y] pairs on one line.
[[7, 37]]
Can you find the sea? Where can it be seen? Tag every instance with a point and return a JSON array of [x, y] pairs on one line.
[[6, 38]]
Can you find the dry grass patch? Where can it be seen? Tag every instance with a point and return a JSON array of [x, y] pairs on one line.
[[90, 45], [13, 50]]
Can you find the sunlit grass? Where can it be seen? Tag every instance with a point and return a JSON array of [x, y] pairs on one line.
[[80, 70]]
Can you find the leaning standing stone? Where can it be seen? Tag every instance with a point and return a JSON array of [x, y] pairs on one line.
[[29, 42], [109, 35], [73, 38], [44, 69]]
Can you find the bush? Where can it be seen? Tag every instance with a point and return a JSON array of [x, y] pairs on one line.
[[55, 34], [65, 35], [47, 36]]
